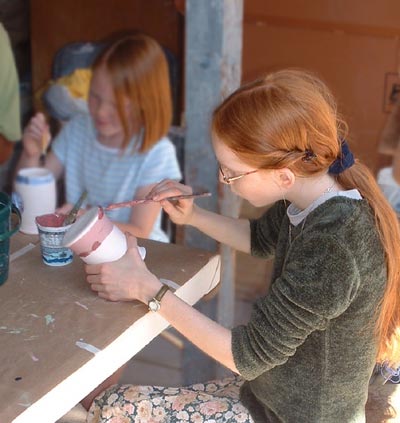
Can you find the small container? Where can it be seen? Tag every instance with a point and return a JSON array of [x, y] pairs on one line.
[[51, 234]]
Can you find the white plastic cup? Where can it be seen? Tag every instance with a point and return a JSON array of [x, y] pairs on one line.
[[35, 195], [95, 239], [51, 235]]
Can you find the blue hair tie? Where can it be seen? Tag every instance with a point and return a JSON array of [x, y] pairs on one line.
[[343, 162]]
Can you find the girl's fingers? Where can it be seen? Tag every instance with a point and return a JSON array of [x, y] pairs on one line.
[[179, 211], [158, 190], [133, 249], [34, 134], [92, 269], [168, 189], [92, 278], [168, 207], [37, 127], [96, 287], [130, 241], [104, 296], [167, 184]]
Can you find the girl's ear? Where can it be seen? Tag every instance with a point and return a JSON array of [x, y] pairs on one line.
[[285, 178]]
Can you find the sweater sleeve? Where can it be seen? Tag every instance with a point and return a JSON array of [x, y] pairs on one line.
[[265, 231], [10, 126], [317, 284]]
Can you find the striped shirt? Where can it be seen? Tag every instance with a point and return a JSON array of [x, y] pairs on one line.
[[106, 174], [389, 187]]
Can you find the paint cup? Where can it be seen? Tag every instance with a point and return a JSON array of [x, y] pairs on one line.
[[10, 220], [95, 239], [51, 234], [35, 195]]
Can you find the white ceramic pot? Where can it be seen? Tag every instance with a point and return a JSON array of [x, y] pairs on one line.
[[35, 193], [95, 238]]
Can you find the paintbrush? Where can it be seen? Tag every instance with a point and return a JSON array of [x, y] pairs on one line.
[[42, 158], [148, 200], [71, 216]]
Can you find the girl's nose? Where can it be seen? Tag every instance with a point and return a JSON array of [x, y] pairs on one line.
[[101, 109]]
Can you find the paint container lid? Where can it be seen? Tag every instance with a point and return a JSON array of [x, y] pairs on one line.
[[34, 176], [81, 226]]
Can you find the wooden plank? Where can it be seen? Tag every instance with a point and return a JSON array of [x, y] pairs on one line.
[[21, 240], [39, 305]]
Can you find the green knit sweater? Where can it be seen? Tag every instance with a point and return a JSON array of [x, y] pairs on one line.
[[308, 351]]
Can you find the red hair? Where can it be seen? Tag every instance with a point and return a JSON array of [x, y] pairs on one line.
[[138, 70]]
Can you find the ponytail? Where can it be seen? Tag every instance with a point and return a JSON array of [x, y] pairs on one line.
[[388, 318]]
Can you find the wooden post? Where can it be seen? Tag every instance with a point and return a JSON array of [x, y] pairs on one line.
[[212, 71], [229, 203]]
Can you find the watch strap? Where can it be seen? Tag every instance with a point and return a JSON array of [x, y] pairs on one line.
[[155, 303], [163, 290]]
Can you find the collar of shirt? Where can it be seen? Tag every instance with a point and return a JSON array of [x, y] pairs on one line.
[[297, 215]]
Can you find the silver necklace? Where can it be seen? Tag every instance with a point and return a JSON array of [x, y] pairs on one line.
[[329, 189]]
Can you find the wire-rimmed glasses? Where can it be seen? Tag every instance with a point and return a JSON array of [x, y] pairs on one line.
[[229, 179]]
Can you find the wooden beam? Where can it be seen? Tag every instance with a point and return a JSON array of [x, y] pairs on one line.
[[229, 203], [212, 70]]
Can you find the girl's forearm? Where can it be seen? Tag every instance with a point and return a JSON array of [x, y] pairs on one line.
[[212, 338], [26, 160], [227, 230], [132, 229]]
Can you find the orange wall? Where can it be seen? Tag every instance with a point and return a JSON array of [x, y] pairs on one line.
[[350, 44], [55, 23]]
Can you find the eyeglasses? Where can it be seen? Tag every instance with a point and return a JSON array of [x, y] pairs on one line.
[[229, 179]]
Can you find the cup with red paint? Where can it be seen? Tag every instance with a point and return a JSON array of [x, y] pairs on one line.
[[95, 239], [51, 233]]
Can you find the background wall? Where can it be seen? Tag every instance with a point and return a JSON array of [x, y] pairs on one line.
[[353, 46], [55, 23]]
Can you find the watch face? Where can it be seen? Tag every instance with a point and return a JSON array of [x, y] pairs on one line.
[[154, 305]]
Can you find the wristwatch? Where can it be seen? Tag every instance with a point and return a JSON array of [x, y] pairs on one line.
[[155, 303]]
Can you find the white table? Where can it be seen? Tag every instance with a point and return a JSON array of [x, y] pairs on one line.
[[59, 340]]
